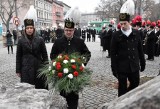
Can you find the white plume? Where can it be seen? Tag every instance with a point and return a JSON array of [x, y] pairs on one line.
[[73, 14], [128, 7], [31, 14]]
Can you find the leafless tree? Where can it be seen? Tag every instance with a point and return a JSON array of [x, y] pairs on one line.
[[7, 9], [111, 8]]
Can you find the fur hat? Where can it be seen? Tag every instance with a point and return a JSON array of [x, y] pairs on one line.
[[28, 22]]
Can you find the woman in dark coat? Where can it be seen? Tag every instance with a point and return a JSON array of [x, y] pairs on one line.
[[31, 54], [9, 41]]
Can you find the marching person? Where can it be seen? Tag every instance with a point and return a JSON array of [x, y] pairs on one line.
[[127, 57], [69, 44], [31, 55], [150, 42]]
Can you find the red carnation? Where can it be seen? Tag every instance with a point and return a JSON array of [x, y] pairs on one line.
[[58, 66], [58, 63], [73, 66], [81, 68], [60, 75], [75, 73]]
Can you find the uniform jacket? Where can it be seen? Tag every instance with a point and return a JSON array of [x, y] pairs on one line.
[[29, 58], [63, 45], [127, 52]]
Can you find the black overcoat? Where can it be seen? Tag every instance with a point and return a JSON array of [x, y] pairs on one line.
[[62, 45], [127, 52], [108, 39], [29, 58]]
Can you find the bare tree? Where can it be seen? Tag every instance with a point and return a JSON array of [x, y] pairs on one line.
[[111, 8], [7, 9]]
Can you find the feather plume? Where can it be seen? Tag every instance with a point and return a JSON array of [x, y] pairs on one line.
[[138, 18], [153, 24], [31, 14], [73, 14], [128, 7]]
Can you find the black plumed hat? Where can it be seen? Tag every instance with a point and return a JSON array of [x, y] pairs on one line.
[[69, 23]]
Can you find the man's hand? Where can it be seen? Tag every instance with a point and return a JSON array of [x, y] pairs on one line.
[[142, 68], [18, 74], [115, 74]]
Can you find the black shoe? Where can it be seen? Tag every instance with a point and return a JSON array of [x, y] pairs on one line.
[[150, 59], [108, 57]]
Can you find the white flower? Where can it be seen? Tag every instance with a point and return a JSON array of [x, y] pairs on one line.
[[65, 70], [70, 76], [49, 68], [59, 56], [73, 61], [54, 63], [83, 65], [65, 61], [53, 71]]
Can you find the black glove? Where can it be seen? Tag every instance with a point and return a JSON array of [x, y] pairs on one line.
[[142, 68]]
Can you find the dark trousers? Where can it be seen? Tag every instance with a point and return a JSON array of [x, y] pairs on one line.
[[71, 98], [132, 77], [11, 48]]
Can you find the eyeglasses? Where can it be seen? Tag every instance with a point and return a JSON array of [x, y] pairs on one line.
[[67, 30]]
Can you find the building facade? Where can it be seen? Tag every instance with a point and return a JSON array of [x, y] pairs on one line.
[[57, 9], [44, 13]]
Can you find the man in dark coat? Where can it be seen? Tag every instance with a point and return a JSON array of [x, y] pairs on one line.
[[103, 38], [77, 32], [83, 34], [70, 44], [88, 34], [108, 39], [93, 35], [127, 57], [15, 36], [31, 54], [150, 43], [59, 32]]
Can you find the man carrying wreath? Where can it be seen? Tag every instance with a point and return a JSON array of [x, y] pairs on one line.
[[69, 44]]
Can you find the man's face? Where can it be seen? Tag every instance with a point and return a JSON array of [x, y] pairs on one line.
[[124, 25], [68, 32], [29, 30]]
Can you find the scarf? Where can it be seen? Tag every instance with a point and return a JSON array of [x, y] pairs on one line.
[[127, 32]]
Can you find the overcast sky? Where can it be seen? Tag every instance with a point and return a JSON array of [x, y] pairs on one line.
[[84, 5]]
